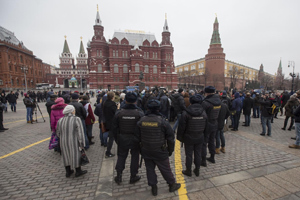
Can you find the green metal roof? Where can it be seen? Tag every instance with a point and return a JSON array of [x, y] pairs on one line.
[[280, 67], [81, 50], [66, 47], [215, 39]]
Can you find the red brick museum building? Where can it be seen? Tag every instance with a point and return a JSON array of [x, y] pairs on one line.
[[117, 63]]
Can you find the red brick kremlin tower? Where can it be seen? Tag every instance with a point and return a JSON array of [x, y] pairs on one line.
[[215, 60]]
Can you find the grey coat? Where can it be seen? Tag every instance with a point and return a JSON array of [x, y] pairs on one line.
[[70, 131]]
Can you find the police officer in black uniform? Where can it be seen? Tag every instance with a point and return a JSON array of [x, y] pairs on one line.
[[124, 130], [191, 133], [212, 106], [157, 144]]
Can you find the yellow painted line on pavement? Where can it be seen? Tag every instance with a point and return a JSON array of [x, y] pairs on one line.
[[22, 149], [23, 120], [182, 192]]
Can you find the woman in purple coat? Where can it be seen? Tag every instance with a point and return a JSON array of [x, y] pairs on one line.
[[57, 112]]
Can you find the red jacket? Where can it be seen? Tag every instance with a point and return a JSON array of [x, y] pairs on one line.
[[90, 119]]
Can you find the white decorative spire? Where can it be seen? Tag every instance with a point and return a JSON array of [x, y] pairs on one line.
[[98, 20], [166, 27]]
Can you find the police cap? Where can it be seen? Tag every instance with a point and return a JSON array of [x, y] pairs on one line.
[[153, 104], [131, 97]]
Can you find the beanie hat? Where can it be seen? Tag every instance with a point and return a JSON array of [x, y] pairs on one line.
[[180, 90], [68, 109], [209, 89], [75, 96], [25, 94], [131, 97], [196, 99], [59, 100]]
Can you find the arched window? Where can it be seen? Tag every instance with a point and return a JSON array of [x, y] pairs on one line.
[[1, 82], [146, 69], [137, 67], [168, 70], [116, 68], [154, 69], [99, 68], [125, 68], [17, 81]]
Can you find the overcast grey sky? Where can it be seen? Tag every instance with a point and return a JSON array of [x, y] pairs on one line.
[[252, 32]]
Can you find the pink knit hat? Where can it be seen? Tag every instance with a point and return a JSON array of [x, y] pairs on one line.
[[59, 100]]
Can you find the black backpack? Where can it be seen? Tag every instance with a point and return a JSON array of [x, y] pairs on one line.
[[274, 108]]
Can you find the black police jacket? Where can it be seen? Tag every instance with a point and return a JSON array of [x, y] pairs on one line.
[[124, 126], [192, 124], [155, 144], [212, 106]]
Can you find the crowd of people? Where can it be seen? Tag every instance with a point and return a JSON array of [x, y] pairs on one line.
[[139, 123]]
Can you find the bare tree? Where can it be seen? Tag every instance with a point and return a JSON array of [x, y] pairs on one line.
[[267, 81], [245, 77], [233, 73], [206, 75], [279, 81]]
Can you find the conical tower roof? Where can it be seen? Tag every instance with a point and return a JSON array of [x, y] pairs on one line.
[[280, 66], [66, 46], [81, 50], [166, 27], [215, 39], [98, 20]]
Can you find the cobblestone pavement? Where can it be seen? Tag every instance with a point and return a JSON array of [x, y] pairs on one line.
[[253, 167]]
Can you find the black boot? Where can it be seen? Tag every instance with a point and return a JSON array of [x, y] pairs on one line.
[[154, 190], [79, 172], [173, 187], [134, 179], [187, 172], [203, 162], [118, 178], [90, 141], [196, 171], [69, 171], [211, 159]]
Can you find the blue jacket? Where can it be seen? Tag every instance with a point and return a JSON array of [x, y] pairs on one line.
[[237, 103]]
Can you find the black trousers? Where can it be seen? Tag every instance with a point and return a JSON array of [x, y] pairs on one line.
[[1, 120], [110, 143], [122, 156], [164, 168], [191, 149], [209, 141], [286, 122]]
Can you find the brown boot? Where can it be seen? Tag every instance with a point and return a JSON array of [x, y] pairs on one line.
[[29, 122], [217, 150], [222, 149], [294, 146]]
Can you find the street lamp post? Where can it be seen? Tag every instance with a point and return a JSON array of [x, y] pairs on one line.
[[293, 75], [25, 69]]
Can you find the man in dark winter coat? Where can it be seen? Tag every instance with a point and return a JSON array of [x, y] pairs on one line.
[[236, 108], [191, 133], [179, 105], [247, 106], [12, 100], [2, 108], [81, 113], [212, 107], [223, 115], [266, 103], [157, 144], [164, 105], [285, 97], [256, 110], [297, 125], [124, 131], [109, 110], [50, 103]]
